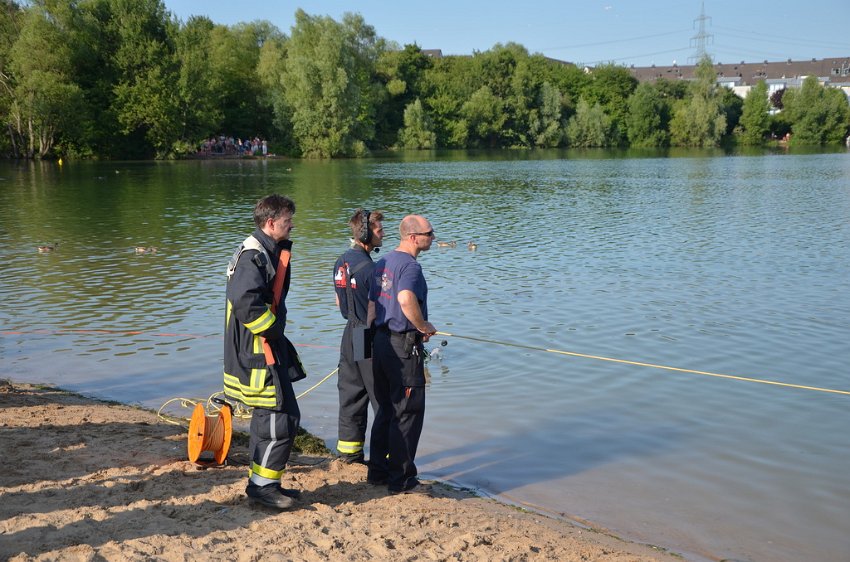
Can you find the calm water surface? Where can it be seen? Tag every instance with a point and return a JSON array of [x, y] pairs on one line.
[[736, 265]]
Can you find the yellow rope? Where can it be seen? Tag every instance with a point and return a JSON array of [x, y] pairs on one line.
[[239, 410], [329, 375], [640, 364], [242, 412], [184, 402]]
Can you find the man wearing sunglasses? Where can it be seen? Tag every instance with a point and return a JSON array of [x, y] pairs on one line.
[[398, 304]]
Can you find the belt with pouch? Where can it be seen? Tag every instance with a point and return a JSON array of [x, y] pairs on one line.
[[412, 338]]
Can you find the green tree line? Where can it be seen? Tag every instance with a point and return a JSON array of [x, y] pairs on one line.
[[126, 79]]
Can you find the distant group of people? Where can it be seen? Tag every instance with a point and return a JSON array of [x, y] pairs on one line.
[[381, 353], [222, 145]]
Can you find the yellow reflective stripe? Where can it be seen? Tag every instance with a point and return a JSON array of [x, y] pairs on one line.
[[231, 381], [253, 401], [349, 447], [258, 378], [257, 396], [266, 472], [262, 323], [258, 382], [258, 345], [227, 313]]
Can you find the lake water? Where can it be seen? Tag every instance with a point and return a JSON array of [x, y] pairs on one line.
[[726, 264]]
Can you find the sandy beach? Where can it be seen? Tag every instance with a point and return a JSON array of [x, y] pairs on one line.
[[91, 480]]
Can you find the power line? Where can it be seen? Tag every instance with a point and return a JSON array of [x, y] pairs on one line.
[[783, 39], [784, 44], [703, 37], [614, 41], [620, 59], [739, 53]]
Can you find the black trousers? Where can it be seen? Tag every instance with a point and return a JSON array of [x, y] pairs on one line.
[[273, 432], [400, 389], [356, 386]]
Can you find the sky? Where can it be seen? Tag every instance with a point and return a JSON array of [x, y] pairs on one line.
[[586, 32]]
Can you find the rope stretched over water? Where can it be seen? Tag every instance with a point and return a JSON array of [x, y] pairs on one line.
[[471, 338], [315, 386], [641, 364]]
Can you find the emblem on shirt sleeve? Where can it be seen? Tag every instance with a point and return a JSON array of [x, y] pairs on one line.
[[339, 278]]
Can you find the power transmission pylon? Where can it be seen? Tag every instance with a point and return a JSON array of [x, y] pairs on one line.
[[701, 38]]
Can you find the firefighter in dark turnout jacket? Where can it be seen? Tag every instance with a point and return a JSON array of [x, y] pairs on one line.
[[258, 359], [352, 276]]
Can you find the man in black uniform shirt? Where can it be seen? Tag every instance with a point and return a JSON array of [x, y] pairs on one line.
[[352, 277]]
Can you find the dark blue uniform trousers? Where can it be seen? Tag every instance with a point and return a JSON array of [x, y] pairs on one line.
[[355, 384], [400, 391]]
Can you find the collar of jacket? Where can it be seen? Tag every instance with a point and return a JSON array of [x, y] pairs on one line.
[[272, 247]]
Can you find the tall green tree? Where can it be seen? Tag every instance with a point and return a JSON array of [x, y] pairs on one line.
[[10, 16], [484, 115], [506, 72], [567, 78], [270, 73], [534, 95], [418, 131], [553, 81], [818, 115], [327, 84], [93, 44], [146, 97], [732, 106], [447, 86], [648, 117], [671, 90], [699, 120], [44, 96], [546, 124], [755, 119], [401, 71], [589, 127], [837, 110], [610, 86], [198, 101], [234, 62]]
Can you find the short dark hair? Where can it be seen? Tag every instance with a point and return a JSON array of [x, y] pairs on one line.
[[357, 220], [271, 207]]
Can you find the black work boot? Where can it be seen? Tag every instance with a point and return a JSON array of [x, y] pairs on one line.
[[289, 492], [352, 459], [270, 495]]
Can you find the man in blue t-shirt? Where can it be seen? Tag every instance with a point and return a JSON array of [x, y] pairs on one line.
[[398, 304]]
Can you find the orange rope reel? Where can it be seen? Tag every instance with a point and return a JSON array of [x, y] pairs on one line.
[[208, 433]]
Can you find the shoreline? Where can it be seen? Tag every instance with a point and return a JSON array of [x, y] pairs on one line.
[[89, 479]]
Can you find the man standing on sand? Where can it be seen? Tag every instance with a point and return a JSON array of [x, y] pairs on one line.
[[259, 362], [352, 278], [398, 304]]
